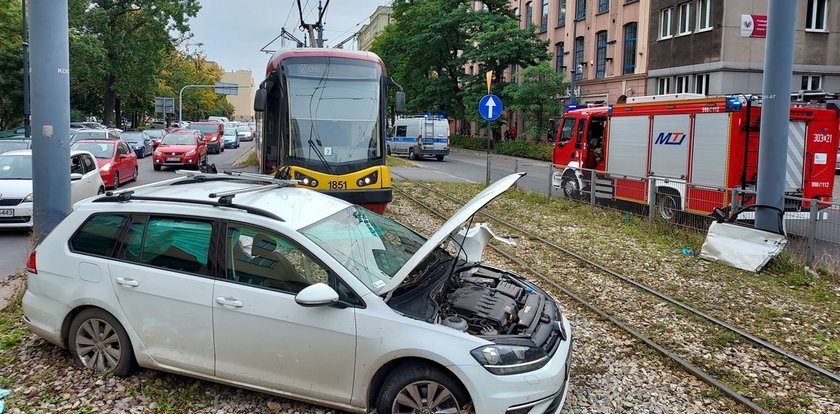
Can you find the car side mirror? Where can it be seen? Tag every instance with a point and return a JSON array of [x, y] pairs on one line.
[[260, 99], [399, 102], [75, 176], [155, 143], [318, 294]]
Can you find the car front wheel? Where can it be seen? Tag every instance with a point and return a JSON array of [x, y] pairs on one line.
[[422, 389], [116, 180], [97, 341]]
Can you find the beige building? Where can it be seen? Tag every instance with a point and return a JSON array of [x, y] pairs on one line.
[[243, 103], [380, 18]]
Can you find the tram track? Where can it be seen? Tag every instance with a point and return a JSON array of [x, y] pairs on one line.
[[694, 359]]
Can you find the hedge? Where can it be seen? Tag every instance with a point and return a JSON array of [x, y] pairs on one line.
[[524, 149]]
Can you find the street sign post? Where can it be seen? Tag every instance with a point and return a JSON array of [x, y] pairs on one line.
[[164, 105], [490, 107]]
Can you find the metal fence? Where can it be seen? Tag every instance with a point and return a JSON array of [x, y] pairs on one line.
[[813, 229]]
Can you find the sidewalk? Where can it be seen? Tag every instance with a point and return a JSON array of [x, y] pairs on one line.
[[9, 287]]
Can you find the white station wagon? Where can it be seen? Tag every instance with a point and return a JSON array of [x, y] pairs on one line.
[[250, 281]]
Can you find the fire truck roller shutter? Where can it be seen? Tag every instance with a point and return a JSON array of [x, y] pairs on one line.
[[711, 149], [628, 140], [670, 139], [795, 156]]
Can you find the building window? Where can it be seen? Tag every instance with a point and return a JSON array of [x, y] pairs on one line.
[[561, 13], [603, 6], [665, 24], [701, 84], [681, 84], [544, 16], [629, 48], [529, 15], [815, 17], [662, 85], [558, 57], [578, 61], [811, 83], [600, 54], [580, 10], [684, 19], [704, 15]]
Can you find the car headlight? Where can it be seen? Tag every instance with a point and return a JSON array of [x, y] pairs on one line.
[[510, 359], [106, 167], [190, 154], [27, 199], [213, 139], [158, 153]]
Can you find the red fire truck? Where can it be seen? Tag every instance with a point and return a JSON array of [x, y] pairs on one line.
[[691, 149]]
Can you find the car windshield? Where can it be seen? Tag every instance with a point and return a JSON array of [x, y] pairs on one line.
[[243, 129], [154, 133], [104, 150], [372, 247], [206, 128], [178, 139], [15, 167], [334, 110], [6, 146], [79, 135]]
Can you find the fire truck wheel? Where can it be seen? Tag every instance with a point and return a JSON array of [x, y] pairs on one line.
[[667, 206], [571, 188]]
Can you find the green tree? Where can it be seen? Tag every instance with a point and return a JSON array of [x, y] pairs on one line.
[[11, 64], [135, 38], [536, 96]]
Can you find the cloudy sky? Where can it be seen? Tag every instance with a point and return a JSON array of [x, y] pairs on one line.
[[231, 33]]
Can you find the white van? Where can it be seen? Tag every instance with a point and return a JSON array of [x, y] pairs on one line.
[[420, 137], [219, 118]]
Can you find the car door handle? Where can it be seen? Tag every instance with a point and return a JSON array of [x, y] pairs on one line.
[[127, 282], [232, 302]]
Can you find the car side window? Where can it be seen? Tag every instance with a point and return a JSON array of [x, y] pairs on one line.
[[76, 165], [264, 259], [98, 236], [88, 163], [133, 240], [401, 131], [181, 244], [567, 131]]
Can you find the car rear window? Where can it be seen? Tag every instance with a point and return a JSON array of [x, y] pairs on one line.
[[98, 235]]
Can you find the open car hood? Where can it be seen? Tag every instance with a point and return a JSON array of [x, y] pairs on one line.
[[451, 226]]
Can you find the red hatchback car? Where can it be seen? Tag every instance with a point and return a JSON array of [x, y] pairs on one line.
[[181, 147], [117, 161]]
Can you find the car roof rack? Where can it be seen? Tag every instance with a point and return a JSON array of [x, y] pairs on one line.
[[198, 176], [225, 200]]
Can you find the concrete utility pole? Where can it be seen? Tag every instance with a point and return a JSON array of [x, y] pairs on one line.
[[775, 113], [24, 38], [50, 115]]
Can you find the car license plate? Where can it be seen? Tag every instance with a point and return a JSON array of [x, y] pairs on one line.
[[173, 159], [7, 212]]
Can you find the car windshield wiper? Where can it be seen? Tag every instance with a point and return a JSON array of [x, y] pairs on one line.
[[321, 156]]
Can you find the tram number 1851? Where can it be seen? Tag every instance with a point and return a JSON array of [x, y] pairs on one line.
[[338, 185]]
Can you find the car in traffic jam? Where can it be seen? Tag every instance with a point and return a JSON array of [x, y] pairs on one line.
[[213, 132], [139, 142], [117, 162], [350, 308], [180, 148]]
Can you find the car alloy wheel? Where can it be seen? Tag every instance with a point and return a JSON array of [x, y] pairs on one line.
[[97, 341], [136, 173], [116, 180], [421, 389]]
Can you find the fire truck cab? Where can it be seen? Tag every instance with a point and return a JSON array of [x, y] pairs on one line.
[[691, 149]]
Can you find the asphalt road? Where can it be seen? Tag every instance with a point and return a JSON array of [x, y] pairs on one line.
[[16, 244]]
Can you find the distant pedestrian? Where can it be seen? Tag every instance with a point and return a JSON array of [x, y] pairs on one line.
[[507, 134]]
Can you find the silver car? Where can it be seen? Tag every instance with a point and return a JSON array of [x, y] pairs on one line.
[[250, 281]]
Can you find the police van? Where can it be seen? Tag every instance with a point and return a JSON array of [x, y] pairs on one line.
[[422, 136]]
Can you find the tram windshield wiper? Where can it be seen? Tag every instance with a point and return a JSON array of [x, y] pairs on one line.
[[321, 156]]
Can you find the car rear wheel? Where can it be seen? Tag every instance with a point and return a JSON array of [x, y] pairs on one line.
[[116, 180], [136, 173], [439, 157], [411, 154], [421, 389], [97, 341]]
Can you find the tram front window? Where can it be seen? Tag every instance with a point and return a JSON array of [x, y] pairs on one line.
[[334, 111]]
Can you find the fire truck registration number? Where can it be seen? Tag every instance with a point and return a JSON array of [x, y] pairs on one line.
[[820, 184], [823, 138], [338, 185]]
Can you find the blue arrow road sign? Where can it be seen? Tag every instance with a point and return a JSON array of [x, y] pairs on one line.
[[490, 107]]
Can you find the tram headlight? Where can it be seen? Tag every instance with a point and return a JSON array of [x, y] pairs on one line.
[[369, 179], [306, 180]]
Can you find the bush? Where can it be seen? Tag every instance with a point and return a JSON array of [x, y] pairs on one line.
[[473, 143], [524, 149]]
